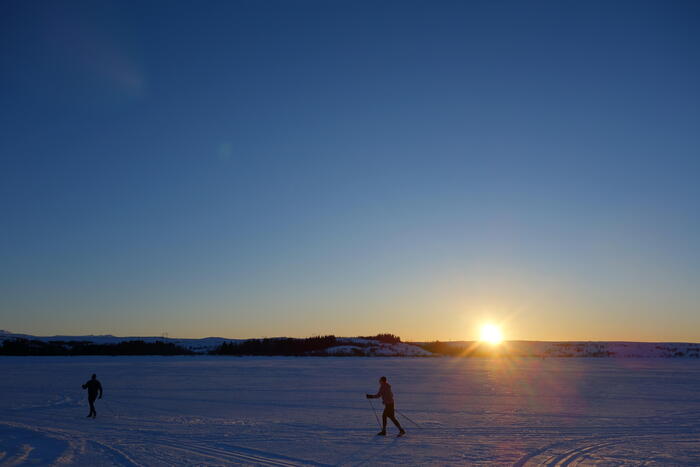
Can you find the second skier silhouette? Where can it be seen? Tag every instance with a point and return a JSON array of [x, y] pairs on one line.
[[388, 400]]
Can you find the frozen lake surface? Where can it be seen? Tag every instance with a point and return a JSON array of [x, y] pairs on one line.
[[312, 411]]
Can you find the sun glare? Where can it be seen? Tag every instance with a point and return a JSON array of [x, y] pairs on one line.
[[491, 334]]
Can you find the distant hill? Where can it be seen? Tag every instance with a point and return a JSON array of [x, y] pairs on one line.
[[566, 349], [386, 345], [201, 346]]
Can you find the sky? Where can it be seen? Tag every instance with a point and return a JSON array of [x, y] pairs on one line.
[[275, 168]]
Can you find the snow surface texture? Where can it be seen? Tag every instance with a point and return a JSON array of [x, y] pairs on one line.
[[203, 410]]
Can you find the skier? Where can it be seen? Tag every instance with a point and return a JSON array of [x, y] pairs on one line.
[[388, 401], [93, 386]]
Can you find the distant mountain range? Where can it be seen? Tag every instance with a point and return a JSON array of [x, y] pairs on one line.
[[380, 346], [195, 345]]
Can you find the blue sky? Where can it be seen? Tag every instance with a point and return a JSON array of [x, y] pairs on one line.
[[294, 168]]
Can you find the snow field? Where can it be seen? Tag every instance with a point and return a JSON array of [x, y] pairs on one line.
[[311, 411]]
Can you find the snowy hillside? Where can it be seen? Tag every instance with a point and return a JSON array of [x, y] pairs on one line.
[[371, 347]]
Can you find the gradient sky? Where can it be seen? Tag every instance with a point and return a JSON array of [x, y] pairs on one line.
[[265, 168]]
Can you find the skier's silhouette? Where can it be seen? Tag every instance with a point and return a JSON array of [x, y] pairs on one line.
[[388, 401], [93, 386]]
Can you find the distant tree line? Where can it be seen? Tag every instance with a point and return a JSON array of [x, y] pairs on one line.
[[286, 346], [278, 346], [384, 338], [315, 346], [134, 347]]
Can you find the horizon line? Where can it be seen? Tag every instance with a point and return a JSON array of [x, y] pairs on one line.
[[623, 341]]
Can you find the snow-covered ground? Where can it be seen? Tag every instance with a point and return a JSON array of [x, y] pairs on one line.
[[312, 411]]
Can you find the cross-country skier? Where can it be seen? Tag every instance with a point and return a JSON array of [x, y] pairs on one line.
[[388, 401], [93, 386]]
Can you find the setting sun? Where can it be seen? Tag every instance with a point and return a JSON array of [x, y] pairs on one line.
[[491, 334]]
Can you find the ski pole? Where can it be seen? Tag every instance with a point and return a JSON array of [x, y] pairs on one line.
[[374, 411], [408, 418]]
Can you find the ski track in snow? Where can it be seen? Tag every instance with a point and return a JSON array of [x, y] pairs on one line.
[[287, 412]]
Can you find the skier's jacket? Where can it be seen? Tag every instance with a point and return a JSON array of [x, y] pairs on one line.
[[385, 393], [93, 386]]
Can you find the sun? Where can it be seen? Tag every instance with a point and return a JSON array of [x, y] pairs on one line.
[[491, 333]]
